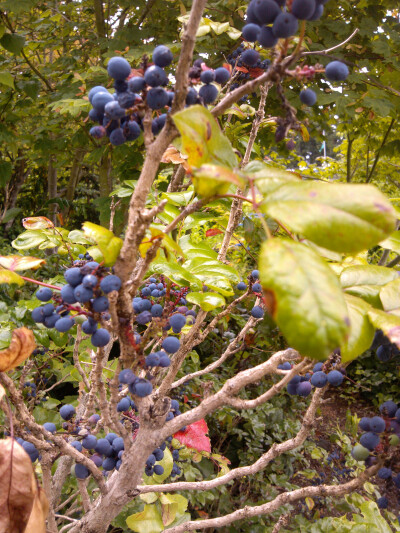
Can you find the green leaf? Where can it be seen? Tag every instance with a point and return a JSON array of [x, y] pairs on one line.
[[78, 237], [269, 178], [361, 330], [13, 42], [389, 324], [8, 277], [341, 217], [11, 214], [178, 198], [214, 179], [392, 242], [202, 139], [390, 295], [176, 273], [147, 521], [30, 239], [196, 250], [306, 299], [108, 244], [365, 281], [7, 79], [149, 497], [206, 300]]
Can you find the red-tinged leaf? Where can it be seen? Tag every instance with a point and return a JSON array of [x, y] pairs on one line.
[[256, 72], [212, 232], [228, 67], [37, 223], [242, 69], [185, 399], [195, 436]]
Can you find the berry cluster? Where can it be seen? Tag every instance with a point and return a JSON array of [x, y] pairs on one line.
[[88, 284], [381, 434], [107, 451], [257, 311], [120, 114], [302, 385], [266, 22]]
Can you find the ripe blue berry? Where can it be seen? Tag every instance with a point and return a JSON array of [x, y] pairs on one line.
[[117, 137], [388, 408], [49, 426], [255, 274], [207, 76], [67, 411], [157, 98], [384, 473], [90, 281], [155, 76], [50, 321], [144, 318], [44, 294], [303, 9], [369, 440], [142, 388], [162, 56], [208, 93], [92, 92], [136, 84], [335, 378], [171, 344], [241, 286], [110, 283], [336, 71], [158, 470], [89, 442], [377, 424], [64, 324], [73, 276], [256, 287], [319, 379], [100, 304], [285, 25], [222, 75], [250, 57], [123, 405], [109, 464], [82, 294], [103, 446], [126, 376], [118, 68], [100, 338], [364, 424], [257, 312], [308, 97], [89, 326], [68, 295], [81, 471], [251, 32], [303, 388], [157, 310], [164, 361], [118, 444], [267, 38], [99, 101], [382, 502]]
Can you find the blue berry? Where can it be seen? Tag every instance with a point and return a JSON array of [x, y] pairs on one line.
[[103, 446], [68, 294], [255, 274], [92, 92], [308, 97], [222, 75], [100, 338], [303, 9], [123, 405], [377, 424], [162, 56], [37, 314], [319, 379], [136, 84], [73, 276], [110, 283], [44, 294], [285, 366], [384, 473], [89, 442], [257, 312], [336, 71], [256, 287], [82, 294], [208, 93], [153, 359], [48, 309], [177, 321], [241, 286], [64, 324], [388, 408], [157, 310], [191, 97], [118, 68], [158, 454], [164, 361], [144, 318], [127, 376], [158, 470], [155, 76], [111, 437], [303, 388], [250, 57], [267, 38], [364, 424], [100, 304], [285, 25], [207, 76], [335, 378], [382, 502], [174, 405], [50, 321], [251, 32], [77, 445], [369, 440], [151, 460], [89, 326], [90, 281], [171, 344], [67, 411], [109, 464], [49, 426], [142, 387]]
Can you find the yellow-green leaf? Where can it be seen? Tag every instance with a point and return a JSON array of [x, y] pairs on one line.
[[388, 323], [304, 297], [206, 300], [212, 179], [9, 277], [361, 330], [108, 244], [20, 262], [390, 295], [147, 521]]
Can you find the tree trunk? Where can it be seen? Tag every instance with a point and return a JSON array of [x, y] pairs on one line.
[[52, 189], [13, 187]]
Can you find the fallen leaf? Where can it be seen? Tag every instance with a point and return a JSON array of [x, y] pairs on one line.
[[21, 346]]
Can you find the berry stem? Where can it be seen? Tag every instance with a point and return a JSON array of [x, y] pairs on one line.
[[41, 283]]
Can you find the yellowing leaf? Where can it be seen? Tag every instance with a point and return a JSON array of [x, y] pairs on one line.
[[6, 276], [20, 262], [108, 244], [21, 346], [147, 521], [214, 179], [37, 223]]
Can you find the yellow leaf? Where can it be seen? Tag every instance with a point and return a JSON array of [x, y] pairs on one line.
[[304, 133], [310, 503], [6, 276], [20, 262], [37, 223]]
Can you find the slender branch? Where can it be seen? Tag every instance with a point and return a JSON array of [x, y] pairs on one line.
[[281, 499], [84, 495], [378, 153], [260, 464], [323, 52], [394, 262], [37, 72]]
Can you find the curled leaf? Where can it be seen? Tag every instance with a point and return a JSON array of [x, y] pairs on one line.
[[21, 346], [37, 223], [18, 487]]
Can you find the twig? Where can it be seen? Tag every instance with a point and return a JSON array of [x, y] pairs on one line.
[[323, 52]]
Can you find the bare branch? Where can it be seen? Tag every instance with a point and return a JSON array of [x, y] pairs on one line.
[[324, 52]]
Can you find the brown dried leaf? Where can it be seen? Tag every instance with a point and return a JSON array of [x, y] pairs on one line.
[[37, 519], [17, 488], [21, 346], [172, 155]]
